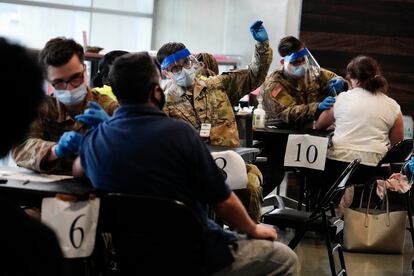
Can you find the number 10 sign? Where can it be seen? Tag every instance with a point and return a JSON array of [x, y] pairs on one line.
[[306, 151]]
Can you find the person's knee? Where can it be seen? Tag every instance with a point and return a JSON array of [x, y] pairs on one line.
[[286, 257]]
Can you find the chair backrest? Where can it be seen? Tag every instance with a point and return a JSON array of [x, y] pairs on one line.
[[337, 187], [397, 153], [162, 235], [233, 166]]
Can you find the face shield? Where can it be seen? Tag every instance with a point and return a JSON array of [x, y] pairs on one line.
[[181, 67], [302, 64]]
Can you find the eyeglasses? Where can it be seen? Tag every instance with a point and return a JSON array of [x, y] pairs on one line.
[[74, 81], [186, 63]]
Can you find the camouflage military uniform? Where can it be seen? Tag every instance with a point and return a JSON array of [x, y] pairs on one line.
[[213, 98], [294, 102], [46, 131], [212, 102]]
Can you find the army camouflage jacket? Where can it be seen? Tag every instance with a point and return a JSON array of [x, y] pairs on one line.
[[293, 102], [212, 99], [53, 120]]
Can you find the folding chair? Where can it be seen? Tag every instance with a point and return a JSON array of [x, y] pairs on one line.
[[160, 235], [395, 157], [318, 220]]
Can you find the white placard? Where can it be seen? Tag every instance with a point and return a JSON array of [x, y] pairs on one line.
[[232, 164], [74, 224], [306, 151]]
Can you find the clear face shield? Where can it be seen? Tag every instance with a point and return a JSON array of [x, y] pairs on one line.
[[302, 64], [181, 67]]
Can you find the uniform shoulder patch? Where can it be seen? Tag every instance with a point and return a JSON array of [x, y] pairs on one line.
[[276, 90]]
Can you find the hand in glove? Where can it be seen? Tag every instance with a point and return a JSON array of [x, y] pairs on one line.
[[69, 144], [327, 103], [93, 116], [259, 32], [336, 85]]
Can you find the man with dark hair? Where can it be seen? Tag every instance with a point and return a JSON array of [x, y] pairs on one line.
[[142, 151], [207, 102], [301, 90], [55, 136], [294, 95], [27, 246]]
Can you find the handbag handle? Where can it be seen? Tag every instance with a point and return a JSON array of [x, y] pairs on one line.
[[387, 207]]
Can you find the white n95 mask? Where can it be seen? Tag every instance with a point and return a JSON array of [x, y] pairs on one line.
[[71, 97], [186, 77]]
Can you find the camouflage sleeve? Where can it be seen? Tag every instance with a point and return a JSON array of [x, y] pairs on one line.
[[327, 75], [240, 82], [280, 106], [105, 102]]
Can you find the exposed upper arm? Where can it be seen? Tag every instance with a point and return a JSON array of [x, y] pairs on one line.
[[325, 120], [77, 169], [396, 133]]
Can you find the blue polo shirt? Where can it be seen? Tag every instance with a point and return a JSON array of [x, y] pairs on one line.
[[142, 151]]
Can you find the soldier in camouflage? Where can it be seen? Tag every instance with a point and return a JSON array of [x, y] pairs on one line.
[[296, 94], [207, 102], [55, 135]]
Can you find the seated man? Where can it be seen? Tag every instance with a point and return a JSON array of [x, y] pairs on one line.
[[207, 103], [295, 95], [27, 246], [54, 137], [142, 151]]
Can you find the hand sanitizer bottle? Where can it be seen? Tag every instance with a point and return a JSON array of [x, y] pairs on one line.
[[259, 115]]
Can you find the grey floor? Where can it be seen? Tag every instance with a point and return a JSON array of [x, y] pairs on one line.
[[313, 257]]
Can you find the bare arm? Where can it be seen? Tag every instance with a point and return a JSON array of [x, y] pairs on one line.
[[77, 169], [232, 211], [325, 120], [397, 131]]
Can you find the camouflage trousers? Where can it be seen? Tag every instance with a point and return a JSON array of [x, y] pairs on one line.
[[252, 196]]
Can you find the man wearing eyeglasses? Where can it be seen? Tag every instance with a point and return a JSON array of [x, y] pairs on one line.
[[207, 103], [54, 139]]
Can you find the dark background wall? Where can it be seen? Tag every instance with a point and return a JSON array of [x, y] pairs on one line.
[[336, 31]]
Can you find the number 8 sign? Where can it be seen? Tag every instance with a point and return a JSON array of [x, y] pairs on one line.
[[306, 151]]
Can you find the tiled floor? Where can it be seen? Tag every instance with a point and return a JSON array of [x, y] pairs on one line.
[[313, 260]]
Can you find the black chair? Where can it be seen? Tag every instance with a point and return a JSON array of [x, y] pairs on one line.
[[318, 220], [145, 241], [395, 157]]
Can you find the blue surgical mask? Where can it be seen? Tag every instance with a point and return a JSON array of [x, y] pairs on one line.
[[298, 71], [186, 77], [71, 97]]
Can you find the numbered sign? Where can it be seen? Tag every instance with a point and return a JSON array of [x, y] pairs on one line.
[[233, 167], [306, 151], [74, 224]]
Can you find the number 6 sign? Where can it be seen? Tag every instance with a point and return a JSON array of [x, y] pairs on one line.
[[306, 151], [74, 224]]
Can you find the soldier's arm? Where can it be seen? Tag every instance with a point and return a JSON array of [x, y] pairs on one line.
[[34, 152], [280, 105], [108, 104], [326, 76], [240, 82]]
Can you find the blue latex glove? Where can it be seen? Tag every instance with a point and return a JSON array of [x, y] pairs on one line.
[[326, 103], [411, 165], [336, 85], [93, 116], [69, 144], [259, 32]]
